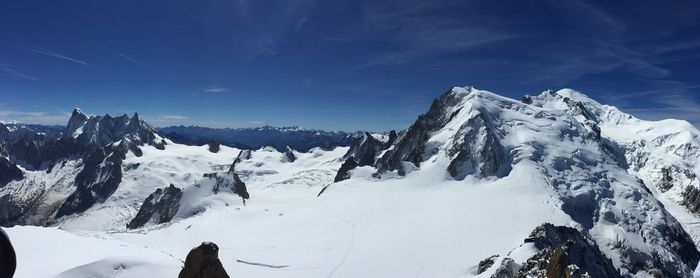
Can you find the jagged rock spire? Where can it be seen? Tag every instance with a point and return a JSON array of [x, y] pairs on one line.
[[77, 120]]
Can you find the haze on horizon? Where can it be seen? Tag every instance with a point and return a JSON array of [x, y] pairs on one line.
[[340, 65]]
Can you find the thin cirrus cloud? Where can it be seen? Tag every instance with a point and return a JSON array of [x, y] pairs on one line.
[[215, 90], [420, 32], [50, 53], [133, 60], [11, 70], [173, 117]]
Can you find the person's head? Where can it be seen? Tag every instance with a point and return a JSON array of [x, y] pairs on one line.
[[9, 263]]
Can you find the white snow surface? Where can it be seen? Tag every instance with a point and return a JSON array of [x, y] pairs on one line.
[[425, 224]]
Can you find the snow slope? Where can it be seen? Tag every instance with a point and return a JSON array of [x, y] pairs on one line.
[[359, 228]]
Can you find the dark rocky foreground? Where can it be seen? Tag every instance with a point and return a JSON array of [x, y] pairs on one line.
[[203, 262], [562, 252]]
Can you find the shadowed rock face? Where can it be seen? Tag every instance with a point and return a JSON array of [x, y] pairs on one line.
[[214, 146], [410, 146], [363, 152], [35, 149], [691, 199], [159, 207], [99, 178], [478, 152], [239, 187], [9, 172], [203, 262], [288, 155], [344, 171]]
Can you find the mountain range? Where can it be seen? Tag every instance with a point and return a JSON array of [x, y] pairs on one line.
[[551, 185], [279, 137]]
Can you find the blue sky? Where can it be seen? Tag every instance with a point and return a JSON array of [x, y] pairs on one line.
[[338, 65]]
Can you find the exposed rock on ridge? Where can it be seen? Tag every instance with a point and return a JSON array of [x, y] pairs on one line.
[[160, 207]]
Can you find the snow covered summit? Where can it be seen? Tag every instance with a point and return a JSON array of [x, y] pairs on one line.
[[578, 150]]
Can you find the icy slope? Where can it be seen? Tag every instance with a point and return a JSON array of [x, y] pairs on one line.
[[665, 154], [420, 226]]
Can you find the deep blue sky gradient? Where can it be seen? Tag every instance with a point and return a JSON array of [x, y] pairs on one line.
[[338, 65]]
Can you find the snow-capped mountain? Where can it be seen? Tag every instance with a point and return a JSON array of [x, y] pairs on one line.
[[68, 173], [553, 185], [280, 137]]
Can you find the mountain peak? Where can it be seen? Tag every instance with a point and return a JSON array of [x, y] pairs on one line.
[[77, 110], [77, 120]]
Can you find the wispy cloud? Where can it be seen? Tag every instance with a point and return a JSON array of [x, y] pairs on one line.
[[31, 117], [420, 30], [173, 117], [671, 107], [215, 90], [11, 70], [131, 59], [43, 51], [300, 23], [663, 100]]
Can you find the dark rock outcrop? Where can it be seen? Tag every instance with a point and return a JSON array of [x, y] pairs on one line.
[[691, 199], [9, 172], [666, 180], [363, 151], [392, 138], [344, 171], [214, 146], [239, 187], [230, 181], [485, 264], [565, 252], [562, 252], [288, 155], [203, 262], [159, 207], [242, 155], [507, 269]]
